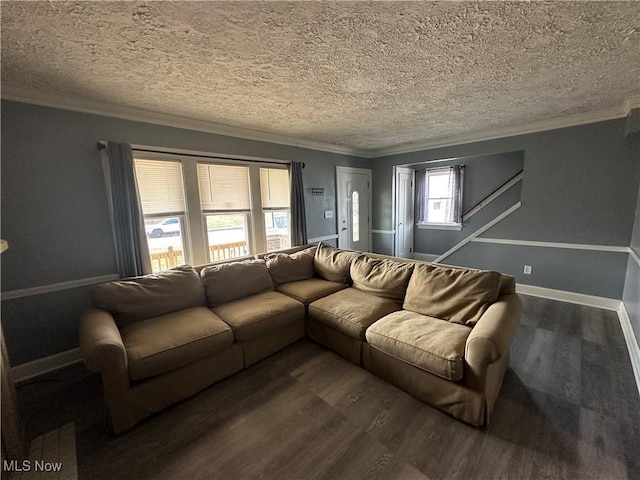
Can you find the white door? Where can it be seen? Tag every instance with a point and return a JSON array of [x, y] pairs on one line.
[[354, 208], [404, 212]]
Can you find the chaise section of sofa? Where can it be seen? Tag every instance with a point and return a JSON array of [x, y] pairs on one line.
[[449, 346], [154, 342]]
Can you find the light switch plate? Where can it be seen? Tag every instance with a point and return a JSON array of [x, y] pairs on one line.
[[328, 214]]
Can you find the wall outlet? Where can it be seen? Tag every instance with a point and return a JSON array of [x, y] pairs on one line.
[[328, 214], [527, 269]]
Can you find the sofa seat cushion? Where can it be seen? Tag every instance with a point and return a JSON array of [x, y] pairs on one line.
[[310, 290], [458, 295], [351, 311], [159, 345], [428, 343], [258, 315]]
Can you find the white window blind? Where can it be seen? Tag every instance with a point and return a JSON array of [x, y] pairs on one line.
[[224, 188], [274, 185], [161, 187]]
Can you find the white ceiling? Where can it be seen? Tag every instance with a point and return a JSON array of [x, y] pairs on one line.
[[366, 76]]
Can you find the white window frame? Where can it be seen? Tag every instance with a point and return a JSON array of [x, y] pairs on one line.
[[187, 250], [275, 209], [439, 225], [195, 234]]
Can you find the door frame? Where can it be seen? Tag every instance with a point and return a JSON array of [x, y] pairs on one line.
[[347, 170], [396, 207]]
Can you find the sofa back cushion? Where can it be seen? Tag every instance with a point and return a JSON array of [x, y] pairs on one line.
[[139, 298], [383, 278], [453, 294], [333, 264], [291, 267], [230, 281]]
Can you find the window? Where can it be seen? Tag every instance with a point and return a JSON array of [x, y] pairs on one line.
[[274, 189], [225, 200], [355, 208], [439, 196], [198, 210], [163, 205]]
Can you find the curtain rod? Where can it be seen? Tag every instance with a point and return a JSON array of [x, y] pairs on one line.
[[102, 146]]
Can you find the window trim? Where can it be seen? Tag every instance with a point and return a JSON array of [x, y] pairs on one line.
[[442, 225], [195, 234]]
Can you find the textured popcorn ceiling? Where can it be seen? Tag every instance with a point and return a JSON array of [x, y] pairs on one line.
[[365, 75]]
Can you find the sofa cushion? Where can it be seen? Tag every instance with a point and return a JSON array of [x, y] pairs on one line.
[[310, 290], [139, 298], [333, 264], [351, 311], [454, 294], [230, 281], [285, 267], [164, 343], [258, 315], [382, 278], [431, 344]]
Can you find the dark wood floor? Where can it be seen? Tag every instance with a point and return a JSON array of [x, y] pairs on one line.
[[569, 408]]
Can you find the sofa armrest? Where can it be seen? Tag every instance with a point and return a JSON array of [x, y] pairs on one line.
[[490, 339], [103, 350]]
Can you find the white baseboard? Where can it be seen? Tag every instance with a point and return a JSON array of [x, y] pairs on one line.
[[322, 239], [632, 342], [28, 370], [425, 257], [570, 297]]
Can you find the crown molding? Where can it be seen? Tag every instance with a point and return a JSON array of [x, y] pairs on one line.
[[45, 99], [511, 131]]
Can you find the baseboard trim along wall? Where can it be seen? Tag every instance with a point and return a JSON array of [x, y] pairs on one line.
[[424, 257], [632, 342], [598, 302], [26, 371], [322, 239], [570, 297]]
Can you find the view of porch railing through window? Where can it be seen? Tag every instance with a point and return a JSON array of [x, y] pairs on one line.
[[169, 257]]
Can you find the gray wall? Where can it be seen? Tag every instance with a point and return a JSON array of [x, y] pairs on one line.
[[631, 296], [55, 216], [580, 186]]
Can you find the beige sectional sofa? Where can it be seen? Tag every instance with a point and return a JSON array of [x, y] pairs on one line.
[[440, 333]]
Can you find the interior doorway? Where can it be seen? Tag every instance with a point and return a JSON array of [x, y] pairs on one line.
[[404, 212], [354, 208]]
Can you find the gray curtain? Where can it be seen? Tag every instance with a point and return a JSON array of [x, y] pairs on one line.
[[128, 222], [421, 196], [456, 188], [298, 216]]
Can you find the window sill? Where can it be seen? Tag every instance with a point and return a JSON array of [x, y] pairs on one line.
[[439, 226]]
